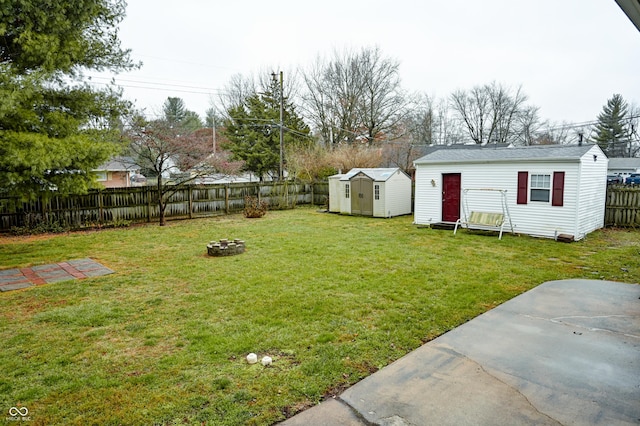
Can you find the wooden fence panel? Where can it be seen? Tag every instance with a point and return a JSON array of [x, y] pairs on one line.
[[139, 204], [622, 206]]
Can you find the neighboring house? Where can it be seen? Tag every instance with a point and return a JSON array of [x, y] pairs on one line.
[[378, 192], [624, 166], [119, 172], [546, 190]]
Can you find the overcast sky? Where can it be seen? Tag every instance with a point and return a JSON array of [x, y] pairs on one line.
[[569, 56]]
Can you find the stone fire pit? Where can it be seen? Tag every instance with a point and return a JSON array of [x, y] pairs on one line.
[[225, 247]]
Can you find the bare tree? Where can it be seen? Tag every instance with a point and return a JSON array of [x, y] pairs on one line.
[[166, 150], [474, 109], [493, 113], [330, 100], [506, 109], [634, 131], [355, 95], [554, 134], [420, 122], [382, 103], [235, 92], [448, 130], [528, 125], [401, 153]]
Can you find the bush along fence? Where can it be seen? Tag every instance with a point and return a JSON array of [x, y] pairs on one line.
[[121, 206], [622, 206]]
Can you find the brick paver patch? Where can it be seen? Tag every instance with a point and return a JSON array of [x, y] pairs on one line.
[[15, 279]]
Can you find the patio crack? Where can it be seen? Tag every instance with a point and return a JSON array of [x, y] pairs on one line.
[[394, 420], [515, 389], [561, 320], [356, 412]]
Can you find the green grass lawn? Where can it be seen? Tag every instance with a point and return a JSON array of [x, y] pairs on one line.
[[330, 298]]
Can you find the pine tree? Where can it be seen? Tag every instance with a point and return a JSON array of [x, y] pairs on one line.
[[54, 127], [612, 131], [254, 134]]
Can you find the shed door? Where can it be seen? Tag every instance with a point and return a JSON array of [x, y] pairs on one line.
[[361, 196], [451, 197]]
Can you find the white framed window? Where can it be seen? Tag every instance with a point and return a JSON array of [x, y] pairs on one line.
[[376, 191], [101, 176], [346, 190], [540, 188]]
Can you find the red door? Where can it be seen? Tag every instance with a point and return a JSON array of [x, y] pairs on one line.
[[450, 197]]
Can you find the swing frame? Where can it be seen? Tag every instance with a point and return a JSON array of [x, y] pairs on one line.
[[483, 220]]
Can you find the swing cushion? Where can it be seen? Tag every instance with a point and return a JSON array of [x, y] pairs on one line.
[[486, 219]]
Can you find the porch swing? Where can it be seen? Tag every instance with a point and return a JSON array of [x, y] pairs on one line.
[[483, 220]]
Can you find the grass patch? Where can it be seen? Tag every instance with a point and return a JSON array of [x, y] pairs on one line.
[[330, 298]]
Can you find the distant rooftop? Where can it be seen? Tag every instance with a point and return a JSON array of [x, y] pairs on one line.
[[119, 164], [624, 163]]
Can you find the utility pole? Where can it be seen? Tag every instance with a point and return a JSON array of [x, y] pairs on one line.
[[281, 124], [281, 129]]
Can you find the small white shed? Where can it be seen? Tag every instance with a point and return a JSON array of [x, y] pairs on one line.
[[334, 193], [546, 190], [377, 192]]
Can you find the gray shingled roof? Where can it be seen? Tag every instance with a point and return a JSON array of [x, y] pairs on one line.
[[119, 164], [377, 174], [631, 163], [524, 153]]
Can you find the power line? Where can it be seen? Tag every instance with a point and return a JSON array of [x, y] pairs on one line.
[[209, 89]]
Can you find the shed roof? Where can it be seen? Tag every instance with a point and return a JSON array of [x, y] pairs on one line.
[[569, 153], [377, 174]]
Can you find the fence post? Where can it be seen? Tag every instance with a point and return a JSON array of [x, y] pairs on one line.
[[226, 198], [148, 192], [100, 207], [190, 202]]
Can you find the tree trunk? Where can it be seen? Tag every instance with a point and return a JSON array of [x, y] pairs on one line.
[[161, 204]]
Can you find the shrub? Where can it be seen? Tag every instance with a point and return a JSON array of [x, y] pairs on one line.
[[34, 224], [253, 207]]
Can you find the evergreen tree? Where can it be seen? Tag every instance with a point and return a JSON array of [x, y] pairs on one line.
[[176, 114], [253, 132], [612, 131], [174, 110], [54, 129]]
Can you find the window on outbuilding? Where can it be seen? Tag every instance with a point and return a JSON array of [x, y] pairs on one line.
[[346, 190], [376, 190], [540, 188], [543, 188]]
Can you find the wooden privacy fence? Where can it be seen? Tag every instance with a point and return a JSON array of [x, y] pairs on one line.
[[622, 206], [139, 204]]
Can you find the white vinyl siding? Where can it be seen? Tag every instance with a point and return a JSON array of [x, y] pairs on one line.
[[590, 211], [584, 193], [394, 196]]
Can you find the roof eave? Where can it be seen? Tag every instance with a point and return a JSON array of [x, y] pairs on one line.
[[508, 160]]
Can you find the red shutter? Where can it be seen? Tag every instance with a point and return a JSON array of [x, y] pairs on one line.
[[523, 183], [557, 198]]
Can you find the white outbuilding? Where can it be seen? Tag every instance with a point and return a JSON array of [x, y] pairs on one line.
[[377, 192], [553, 191]]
